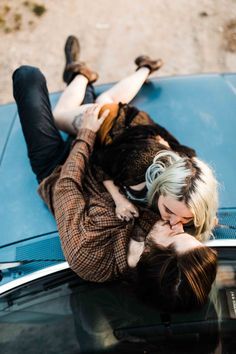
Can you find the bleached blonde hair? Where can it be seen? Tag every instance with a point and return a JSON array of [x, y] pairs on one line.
[[185, 179]]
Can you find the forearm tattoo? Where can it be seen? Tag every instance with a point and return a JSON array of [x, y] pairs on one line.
[[76, 124]]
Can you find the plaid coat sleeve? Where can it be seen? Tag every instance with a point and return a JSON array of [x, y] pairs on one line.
[[93, 240]]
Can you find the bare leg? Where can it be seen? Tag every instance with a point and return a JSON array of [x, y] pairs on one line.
[[125, 90], [73, 95], [68, 109], [68, 106]]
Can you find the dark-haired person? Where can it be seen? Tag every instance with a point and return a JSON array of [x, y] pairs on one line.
[[178, 264], [95, 242]]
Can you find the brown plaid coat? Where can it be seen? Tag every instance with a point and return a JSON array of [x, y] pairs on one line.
[[93, 239]]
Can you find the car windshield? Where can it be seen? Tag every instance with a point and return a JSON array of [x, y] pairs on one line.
[[60, 313]]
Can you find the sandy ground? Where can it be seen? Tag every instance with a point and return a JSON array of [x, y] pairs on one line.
[[192, 36]]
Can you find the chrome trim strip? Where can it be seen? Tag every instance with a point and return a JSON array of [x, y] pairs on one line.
[[30, 277], [221, 243], [64, 265], [9, 265]]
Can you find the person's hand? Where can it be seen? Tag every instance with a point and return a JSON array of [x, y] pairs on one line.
[[178, 228], [90, 118], [165, 228], [162, 232], [125, 210]]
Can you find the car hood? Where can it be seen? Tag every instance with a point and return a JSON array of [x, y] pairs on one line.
[[199, 110]]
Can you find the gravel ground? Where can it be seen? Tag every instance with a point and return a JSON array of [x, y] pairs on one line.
[[192, 36]]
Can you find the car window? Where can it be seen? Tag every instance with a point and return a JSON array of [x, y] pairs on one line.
[[62, 314]]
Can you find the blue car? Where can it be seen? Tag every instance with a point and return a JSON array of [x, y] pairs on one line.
[[46, 308]]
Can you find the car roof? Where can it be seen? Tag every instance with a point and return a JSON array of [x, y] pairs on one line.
[[199, 110]]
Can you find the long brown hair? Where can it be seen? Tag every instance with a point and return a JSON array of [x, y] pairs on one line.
[[176, 281]]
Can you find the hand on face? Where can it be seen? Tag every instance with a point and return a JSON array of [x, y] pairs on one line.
[[162, 232], [165, 227], [90, 118], [177, 228]]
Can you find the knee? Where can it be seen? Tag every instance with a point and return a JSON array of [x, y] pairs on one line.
[[26, 74], [104, 98]]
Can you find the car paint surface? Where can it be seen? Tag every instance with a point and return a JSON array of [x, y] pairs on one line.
[[199, 110]]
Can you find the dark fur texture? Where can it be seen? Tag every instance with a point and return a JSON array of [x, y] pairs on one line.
[[134, 145]]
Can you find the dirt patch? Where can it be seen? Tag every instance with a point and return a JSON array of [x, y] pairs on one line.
[[230, 36], [190, 36], [19, 15]]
